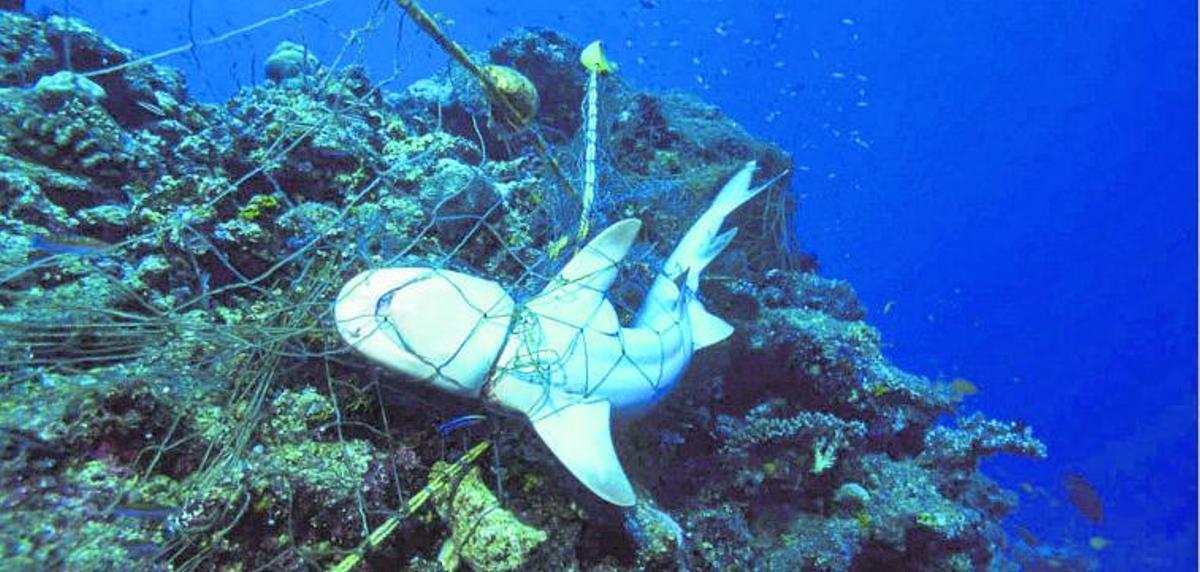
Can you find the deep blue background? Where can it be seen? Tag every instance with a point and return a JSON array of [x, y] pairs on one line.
[[1018, 180]]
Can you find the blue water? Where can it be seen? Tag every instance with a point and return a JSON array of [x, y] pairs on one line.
[[1016, 182]]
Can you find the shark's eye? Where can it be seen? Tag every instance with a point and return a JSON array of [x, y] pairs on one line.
[[384, 304], [383, 317]]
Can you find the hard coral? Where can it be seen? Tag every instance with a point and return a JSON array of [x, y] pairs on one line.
[[977, 437], [290, 60], [76, 136]]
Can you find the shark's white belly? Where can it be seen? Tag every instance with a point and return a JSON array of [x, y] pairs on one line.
[[631, 368]]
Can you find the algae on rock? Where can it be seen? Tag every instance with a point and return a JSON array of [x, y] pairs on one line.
[[483, 534]]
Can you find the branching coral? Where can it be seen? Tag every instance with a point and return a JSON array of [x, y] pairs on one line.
[[768, 424], [976, 437]]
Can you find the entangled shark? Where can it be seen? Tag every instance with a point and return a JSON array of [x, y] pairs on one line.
[[562, 358]]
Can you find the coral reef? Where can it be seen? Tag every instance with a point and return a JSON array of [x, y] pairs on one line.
[[173, 394]]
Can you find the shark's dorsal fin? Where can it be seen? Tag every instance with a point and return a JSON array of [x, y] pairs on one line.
[[580, 435], [595, 265], [575, 297]]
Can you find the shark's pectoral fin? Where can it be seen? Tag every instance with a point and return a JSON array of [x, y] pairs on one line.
[[580, 436]]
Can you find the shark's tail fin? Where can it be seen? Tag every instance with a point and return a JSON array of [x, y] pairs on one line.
[[701, 260], [707, 328], [702, 243], [735, 193]]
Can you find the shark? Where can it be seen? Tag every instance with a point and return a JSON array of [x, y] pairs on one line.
[[561, 358]]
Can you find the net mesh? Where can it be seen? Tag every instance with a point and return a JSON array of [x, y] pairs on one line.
[[177, 340]]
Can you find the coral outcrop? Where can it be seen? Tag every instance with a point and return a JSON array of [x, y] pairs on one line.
[[483, 534], [173, 394]]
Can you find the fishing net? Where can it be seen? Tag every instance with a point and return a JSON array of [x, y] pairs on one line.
[[169, 359]]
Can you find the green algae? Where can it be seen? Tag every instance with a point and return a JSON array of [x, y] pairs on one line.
[[333, 469], [483, 534]]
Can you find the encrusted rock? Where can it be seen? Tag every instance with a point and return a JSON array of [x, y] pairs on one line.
[[290, 60], [68, 84], [483, 534], [852, 496]]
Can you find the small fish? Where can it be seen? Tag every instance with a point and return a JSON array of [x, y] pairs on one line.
[[81, 245], [1098, 543], [1026, 536], [153, 109], [887, 308], [460, 422], [1084, 497], [145, 511], [963, 387], [296, 242]]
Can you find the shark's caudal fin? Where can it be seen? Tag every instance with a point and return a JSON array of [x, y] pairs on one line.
[[702, 243], [736, 192], [702, 259]]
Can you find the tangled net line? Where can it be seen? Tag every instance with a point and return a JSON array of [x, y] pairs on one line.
[[174, 337]]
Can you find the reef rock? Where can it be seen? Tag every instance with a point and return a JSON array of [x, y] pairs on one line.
[[290, 60], [166, 272], [483, 534]]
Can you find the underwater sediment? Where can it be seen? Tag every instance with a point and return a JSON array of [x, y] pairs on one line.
[[174, 395]]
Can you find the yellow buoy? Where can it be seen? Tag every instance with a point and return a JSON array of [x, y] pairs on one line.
[[519, 93], [592, 57]]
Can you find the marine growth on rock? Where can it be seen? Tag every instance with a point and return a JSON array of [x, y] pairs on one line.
[[175, 394]]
